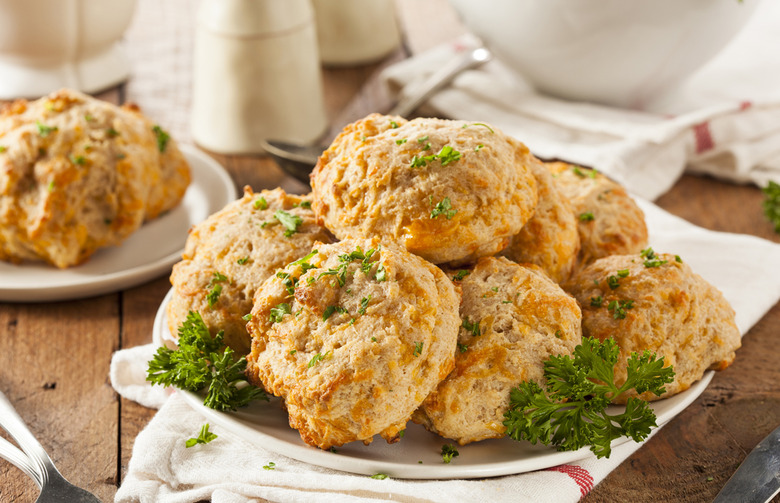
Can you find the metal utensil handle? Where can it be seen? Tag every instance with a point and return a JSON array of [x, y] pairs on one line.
[[13, 455], [757, 480], [15, 426], [439, 79]]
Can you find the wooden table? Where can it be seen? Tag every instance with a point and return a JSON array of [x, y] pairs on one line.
[[54, 357]]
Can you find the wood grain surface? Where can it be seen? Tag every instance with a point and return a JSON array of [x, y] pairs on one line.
[[54, 356]]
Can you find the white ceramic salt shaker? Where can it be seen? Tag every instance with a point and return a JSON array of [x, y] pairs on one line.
[[256, 75], [356, 31]]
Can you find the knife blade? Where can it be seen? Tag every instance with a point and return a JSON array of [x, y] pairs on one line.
[[757, 480]]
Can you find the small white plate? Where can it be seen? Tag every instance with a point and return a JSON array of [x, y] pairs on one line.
[[146, 254], [265, 425]]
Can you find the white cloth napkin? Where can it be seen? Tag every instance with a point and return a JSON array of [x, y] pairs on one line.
[[230, 470], [724, 120]]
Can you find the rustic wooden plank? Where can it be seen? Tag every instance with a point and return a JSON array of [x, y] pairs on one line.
[[54, 368], [139, 306]]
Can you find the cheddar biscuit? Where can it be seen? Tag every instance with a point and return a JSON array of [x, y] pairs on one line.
[[448, 191], [353, 338]]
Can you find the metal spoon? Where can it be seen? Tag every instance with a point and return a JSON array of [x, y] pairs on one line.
[[298, 160]]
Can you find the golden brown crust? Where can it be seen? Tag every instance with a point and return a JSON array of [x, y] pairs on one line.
[[388, 177], [671, 311], [245, 244], [617, 225], [353, 353], [78, 174], [550, 239], [514, 318]]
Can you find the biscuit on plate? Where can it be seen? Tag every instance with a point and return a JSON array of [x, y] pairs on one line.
[[657, 303], [353, 339], [550, 239], [609, 220], [78, 174], [448, 191], [227, 256], [513, 318]]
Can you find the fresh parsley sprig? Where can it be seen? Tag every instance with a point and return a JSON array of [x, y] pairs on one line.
[[771, 204], [571, 412], [204, 362]]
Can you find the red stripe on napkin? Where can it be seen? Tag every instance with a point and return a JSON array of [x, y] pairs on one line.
[[703, 137], [745, 105], [580, 475]]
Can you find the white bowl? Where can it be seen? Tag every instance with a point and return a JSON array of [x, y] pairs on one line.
[[615, 52], [46, 45]]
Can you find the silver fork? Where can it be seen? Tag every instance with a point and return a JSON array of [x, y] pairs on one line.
[[54, 487]]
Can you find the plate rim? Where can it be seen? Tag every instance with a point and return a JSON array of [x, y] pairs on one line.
[[133, 276]]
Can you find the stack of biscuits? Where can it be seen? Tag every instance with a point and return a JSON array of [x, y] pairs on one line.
[[435, 265]]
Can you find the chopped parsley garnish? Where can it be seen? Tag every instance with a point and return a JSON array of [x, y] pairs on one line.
[[446, 155], [478, 124], [328, 311], [44, 130], [79, 159], [242, 260], [290, 222], [3, 148], [677, 259], [422, 139], [304, 204], [88, 118], [381, 273], [287, 281], [51, 186], [247, 317], [461, 274], [379, 476], [204, 437], [618, 308], [364, 304], [771, 204], [340, 271], [202, 361], [261, 203], [270, 466], [112, 133], [418, 346], [448, 451], [278, 312], [558, 334], [651, 259], [317, 359], [213, 296], [479, 147], [462, 348], [572, 411], [613, 281], [586, 216], [394, 125], [471, 327], [216, 288], [623, 273], [597, 301], [162, 138], [401, 141], [443, 207]]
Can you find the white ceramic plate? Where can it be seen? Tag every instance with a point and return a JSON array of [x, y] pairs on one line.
[[146, 254], [265, 425]]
